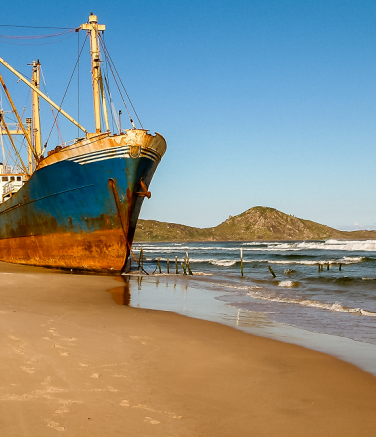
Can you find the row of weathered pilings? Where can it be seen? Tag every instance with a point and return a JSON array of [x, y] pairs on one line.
[[188, 271], [185, 265]]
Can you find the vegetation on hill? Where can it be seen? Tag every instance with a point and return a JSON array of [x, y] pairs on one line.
[[258, 223]]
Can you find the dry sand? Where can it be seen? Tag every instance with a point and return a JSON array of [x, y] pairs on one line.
[[76, 363]]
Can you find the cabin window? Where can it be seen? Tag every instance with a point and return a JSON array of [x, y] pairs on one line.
[[12, 178], [19, 178], [4, 178]]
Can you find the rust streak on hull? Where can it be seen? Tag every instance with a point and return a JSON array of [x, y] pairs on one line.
[[102, 250]]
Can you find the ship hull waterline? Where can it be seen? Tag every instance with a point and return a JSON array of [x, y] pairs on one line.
[[79, 210]]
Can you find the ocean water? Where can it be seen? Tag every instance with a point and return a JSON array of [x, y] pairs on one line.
[[323, 286]]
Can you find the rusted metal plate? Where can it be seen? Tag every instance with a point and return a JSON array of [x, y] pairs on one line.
[[98, 250]]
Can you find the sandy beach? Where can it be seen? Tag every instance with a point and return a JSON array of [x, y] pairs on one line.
[[73, 361]]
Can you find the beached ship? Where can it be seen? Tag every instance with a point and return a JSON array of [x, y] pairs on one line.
[[78, 207]]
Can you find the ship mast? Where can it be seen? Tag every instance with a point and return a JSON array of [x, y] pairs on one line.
[[98, 93], [35, 109], [26, 132], [30, 150]]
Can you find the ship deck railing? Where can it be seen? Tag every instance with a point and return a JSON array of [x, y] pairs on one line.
[[11, 187], [11, 169]]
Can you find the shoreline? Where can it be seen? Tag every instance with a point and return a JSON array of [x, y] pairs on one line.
[[74, 361], [213, 308]]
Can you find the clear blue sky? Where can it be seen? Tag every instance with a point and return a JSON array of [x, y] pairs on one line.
[[261, 102]]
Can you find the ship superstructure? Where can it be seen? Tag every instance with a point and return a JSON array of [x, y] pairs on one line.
[[11, 180]]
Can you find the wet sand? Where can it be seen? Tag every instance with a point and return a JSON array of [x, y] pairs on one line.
[[75, 362]]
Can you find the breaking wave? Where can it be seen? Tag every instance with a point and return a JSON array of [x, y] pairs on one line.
[[367, 246], [288, 284], [258, 292], [346, 260], [255, 246], [337, 306], [222, 262]]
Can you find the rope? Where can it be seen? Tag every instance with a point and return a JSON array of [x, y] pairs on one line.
[[107, 90], [134, 256], [123, 227], [23, 112], [52, 35], [37, 27], [45, 146], [121, 95], [16, 163], [4, 38], [111, 62], [52, 109], [17, 127], [37, 44]]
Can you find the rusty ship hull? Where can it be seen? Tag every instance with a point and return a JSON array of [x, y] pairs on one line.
[[79, 209]]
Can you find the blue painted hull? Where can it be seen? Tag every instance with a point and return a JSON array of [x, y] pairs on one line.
[[80, 210]]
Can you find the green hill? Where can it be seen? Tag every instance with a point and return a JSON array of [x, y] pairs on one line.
[[152, 230], [257, 223]]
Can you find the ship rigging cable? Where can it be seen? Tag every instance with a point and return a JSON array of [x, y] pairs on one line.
[[106, 88], [37, 27], [35, 44], [11, 39], [52, 35], [5, 150], [52, 109], [55, 118], [22, 143], [110, 61]]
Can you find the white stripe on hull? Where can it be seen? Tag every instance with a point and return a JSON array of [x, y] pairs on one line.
[[112, 153]]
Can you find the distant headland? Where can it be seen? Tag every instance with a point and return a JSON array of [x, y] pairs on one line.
[[257, 223]]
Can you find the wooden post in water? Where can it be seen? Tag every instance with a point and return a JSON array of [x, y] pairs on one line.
[[271, 271], [159, 266], [327, 266], [241, 261], [188, 266], [184, 269], [319, 267], [176, 265], [141, 259], [340, 266], [168, 266]]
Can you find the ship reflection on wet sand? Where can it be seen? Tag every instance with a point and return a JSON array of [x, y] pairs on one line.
[[122, 295]]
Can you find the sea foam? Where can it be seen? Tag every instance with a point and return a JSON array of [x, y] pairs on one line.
[[261, 293]]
